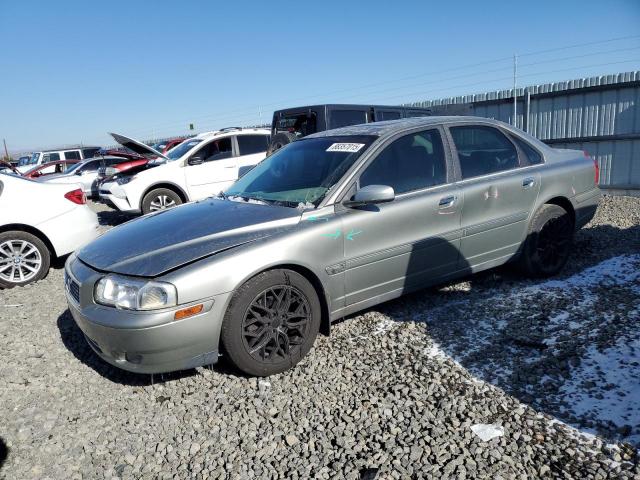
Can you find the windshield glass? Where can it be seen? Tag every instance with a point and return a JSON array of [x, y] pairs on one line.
[[34, 159], [179, 150], [303, 171]]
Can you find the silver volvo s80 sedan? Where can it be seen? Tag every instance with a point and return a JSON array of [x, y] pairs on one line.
[[328, 225]]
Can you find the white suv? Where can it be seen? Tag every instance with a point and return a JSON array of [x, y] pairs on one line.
[[46, 156], [197, 168]]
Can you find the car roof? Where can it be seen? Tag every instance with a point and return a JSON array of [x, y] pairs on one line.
[[64, 149], [389, 127], [239, 131]]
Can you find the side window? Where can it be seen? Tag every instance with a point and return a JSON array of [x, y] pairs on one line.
[[344, 118], [90, 166], [387, 115], [483, 150], [109, 161], [46, 158], [54, 157], [411, 162], [249, 144], [72, 155], [89, 152], [216, 150], [533, 156]]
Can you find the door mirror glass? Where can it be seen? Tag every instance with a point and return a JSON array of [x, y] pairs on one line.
[[196, 160], [372, 194]]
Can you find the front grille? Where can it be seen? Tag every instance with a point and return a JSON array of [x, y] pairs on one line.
[[72, 287]]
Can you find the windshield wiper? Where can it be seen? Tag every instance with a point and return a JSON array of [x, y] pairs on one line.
[[246, 198]]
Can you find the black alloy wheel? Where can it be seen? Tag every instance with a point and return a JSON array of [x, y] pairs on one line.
[[276, 323], [271, 323]]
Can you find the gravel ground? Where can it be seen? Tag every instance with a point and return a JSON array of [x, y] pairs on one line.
[[393, 393]]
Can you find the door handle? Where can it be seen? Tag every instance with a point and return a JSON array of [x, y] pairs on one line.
[[447, 202], [528, 182]]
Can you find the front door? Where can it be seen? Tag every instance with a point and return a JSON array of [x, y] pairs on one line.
[[218, 170], [498, 195], [391, 248]]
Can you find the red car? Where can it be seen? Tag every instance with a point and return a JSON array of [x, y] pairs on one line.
[[50, 168]]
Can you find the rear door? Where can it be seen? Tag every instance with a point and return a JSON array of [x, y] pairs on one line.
[[395, 247], [499, 193], [218, 169], [251, 148]]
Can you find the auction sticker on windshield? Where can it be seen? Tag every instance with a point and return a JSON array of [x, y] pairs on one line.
[[345, 147]]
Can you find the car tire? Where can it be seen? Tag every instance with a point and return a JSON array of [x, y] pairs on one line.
[[32, 254], [264, 331], [160, 199], [279, 140], [548, 243]]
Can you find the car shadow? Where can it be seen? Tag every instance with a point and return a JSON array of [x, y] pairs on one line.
[[4, 452], [564, 345]]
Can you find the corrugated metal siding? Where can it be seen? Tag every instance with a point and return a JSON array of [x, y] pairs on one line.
[[585, 109]]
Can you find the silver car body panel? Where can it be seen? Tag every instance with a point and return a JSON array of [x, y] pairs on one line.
[[356, 257]]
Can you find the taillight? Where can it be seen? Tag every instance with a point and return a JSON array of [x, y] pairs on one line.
[[596, 168], [76, 196]]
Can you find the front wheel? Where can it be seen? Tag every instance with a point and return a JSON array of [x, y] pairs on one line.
[[548, 243], [24, 259], [160, 199], [271, 323]]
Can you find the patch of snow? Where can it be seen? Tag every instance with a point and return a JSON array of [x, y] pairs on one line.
[[487, 431]]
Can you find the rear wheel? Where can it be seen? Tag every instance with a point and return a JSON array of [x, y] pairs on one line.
[[24, 259], [548, 244], [271, 323], [160, 199]]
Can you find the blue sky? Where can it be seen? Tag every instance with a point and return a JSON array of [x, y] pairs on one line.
[[72, 71]]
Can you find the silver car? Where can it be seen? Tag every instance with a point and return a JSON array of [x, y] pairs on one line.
[[329, 225], [84, 173]]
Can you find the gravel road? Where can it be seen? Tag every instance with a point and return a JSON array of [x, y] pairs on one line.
[[552, 367]]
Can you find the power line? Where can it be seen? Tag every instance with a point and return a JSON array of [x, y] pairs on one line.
[[225, 114]]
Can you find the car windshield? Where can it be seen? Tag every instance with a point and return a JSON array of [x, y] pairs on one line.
[[34, 159], [179, 150], [302, 172]]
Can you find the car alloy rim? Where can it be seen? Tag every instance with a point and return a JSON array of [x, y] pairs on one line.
[[20, 261], [161, 202], [554, 241], [276, 323]]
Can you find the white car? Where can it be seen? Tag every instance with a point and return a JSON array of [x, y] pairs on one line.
[[47, 156], [197, 168], [38, 222]]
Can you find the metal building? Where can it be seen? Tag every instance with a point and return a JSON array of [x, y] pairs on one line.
[[599, 114]]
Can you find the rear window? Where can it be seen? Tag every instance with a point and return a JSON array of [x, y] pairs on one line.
[[250, 144], [533, 157], [345, 118], [302, 124]]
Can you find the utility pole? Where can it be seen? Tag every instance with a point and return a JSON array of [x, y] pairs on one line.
[[515, 96], [6, 152]]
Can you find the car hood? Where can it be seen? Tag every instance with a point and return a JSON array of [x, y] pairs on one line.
[[137, 146], [155, 244]]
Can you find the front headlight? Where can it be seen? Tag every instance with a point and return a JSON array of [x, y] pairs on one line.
[[134, 294]]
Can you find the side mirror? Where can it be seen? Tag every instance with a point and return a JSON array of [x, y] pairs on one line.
[[78, 172], [196, 160], [36, 174], [370, 195]]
